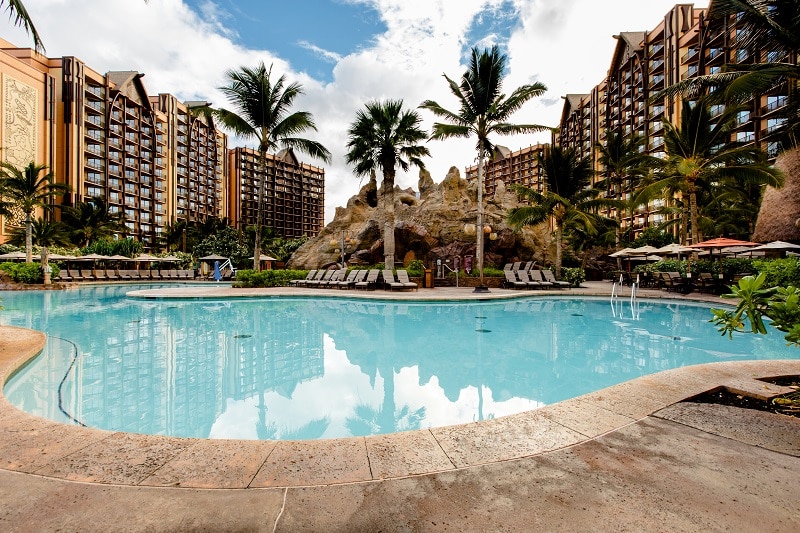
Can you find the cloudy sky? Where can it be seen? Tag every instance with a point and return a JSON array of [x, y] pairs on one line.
[[347, 52]]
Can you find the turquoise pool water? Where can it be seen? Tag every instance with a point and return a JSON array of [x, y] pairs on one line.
[[307, 368]]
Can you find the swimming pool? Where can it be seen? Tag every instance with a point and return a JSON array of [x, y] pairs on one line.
[[308, 368]]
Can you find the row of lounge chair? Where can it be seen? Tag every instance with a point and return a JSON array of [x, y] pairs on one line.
[[112, 274], [532, 279], [355, 279]]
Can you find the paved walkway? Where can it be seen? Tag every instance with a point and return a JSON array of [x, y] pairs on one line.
[[630, 457]]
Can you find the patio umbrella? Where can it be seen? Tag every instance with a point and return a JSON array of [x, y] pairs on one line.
[[169, 258], [59, 257], [145, 257], [120, 258], [719, 243], [13, 255], [213, 257], [777, 246], [92, 257], [674, 249], [625, 252], [268, 258]]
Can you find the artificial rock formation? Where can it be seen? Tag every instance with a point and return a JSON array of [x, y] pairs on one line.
[[779, 216], [428, 226]]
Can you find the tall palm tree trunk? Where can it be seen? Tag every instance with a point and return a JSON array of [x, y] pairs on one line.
[[479, 243], [262, 184], [28, 238], [388, 220], [693, 214], [559, 236]]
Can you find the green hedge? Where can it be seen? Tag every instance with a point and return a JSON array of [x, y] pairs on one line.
[[30, 273], [779, 272], [575, 276], [266, 278]]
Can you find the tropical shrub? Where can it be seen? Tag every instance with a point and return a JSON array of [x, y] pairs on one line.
[[415, 268], [779, 272], [126, 247], [575, 276], [266, 278], [29, 273]]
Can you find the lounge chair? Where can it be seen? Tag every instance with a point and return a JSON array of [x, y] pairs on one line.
[[360, 276], [511, 281], [528, 265], [536, 275], [126, 275], [548, 276], [63, 275], [349, 280], [326, 276], [111, 274], [402, 277], [391, 283], [674, 282], [87, 275], [99, 274], [707, 283], [508, 266], [309, 276], [516, 265], [525, 275], [333, 281], [317, 277], [370, 282]]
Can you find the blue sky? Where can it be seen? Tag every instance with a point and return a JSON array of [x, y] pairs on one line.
[[311, 34], [348, 52]]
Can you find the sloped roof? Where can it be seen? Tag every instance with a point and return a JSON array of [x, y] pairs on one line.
[[628, 43], [129, 83], [289, 156]]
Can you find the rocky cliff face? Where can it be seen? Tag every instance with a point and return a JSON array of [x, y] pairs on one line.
[[428, 226]]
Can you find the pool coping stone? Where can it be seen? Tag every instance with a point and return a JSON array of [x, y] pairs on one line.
[[33, 445]]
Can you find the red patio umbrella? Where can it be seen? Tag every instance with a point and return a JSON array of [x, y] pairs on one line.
[[720, 243]]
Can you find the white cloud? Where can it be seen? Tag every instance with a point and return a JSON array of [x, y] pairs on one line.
[[566, 44]]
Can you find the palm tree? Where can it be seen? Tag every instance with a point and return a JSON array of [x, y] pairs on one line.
[[625, 166], [19, 14], [699, 155], [263, 111], [28, 190], [485, 110], [386, 136], [91, 220], [43, 233], [568, 199]]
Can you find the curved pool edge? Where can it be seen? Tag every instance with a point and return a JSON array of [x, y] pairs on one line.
[[33, 445]]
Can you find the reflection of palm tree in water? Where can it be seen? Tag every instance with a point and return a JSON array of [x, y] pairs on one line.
[[269, 431], [386, 419], [368, 420]]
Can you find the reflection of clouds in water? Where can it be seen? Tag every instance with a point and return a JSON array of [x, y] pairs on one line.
[[335, 395], [440, 411]]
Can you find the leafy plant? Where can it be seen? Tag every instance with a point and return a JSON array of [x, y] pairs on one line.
[[266, 278], [575, 276], [415, 268], [29, 273]]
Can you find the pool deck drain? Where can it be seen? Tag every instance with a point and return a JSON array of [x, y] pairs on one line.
[[588, 455]]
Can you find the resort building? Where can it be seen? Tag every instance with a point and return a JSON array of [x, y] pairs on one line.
[[154, 159], [685, 44], [512, 168], [294, 192]]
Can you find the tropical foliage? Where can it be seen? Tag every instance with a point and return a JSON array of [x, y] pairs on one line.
[[17, 12], [43, 233], [225, 243], [568, 199], [27, 190], [702, 161], [262, 110], [484, 110], [385, 136], [267, 278], [91, 220]]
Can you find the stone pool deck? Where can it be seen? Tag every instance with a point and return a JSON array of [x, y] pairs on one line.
[[630, 457]]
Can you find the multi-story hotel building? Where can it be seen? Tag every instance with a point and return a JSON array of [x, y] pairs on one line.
[[512, 168], [294, 192], [685, 44], [154, 159]]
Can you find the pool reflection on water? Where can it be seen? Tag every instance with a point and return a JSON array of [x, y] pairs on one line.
[[307, 368]]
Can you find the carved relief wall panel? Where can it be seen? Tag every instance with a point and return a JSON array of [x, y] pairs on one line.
[[20, 131], [20, 123]]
